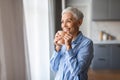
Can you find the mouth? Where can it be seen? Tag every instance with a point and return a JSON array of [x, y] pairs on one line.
[[66, 29]]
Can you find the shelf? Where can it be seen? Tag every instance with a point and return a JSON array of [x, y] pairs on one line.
[[107, 42]]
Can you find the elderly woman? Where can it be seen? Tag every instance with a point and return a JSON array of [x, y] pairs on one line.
[[73, 51]]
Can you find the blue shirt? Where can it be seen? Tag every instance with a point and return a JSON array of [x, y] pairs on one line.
[[74, 63]]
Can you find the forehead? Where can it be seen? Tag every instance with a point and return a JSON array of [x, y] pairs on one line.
[[68, 15]]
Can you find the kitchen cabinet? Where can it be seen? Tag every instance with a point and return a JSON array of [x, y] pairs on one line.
[[106, 56], [105, 10], [114, 9], [115, 60], [99, 9], [102, 56]]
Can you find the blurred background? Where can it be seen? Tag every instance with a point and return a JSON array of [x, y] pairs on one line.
[[27, 29]]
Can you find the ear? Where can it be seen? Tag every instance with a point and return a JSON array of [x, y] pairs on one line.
[[80, 22]]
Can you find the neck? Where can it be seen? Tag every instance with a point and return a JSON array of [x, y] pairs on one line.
[[75, 35]]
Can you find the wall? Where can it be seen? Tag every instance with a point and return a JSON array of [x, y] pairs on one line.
[[58, 10], [110, 27], [52, 29]]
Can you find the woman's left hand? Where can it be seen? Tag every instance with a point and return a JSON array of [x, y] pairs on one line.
[[68, 39]]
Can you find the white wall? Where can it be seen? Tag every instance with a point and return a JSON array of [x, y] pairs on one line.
[[110, 27], [12, 55]]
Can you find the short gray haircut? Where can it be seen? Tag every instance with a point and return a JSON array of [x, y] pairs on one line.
[[74, 11]]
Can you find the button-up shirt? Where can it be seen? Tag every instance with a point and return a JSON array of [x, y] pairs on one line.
[[73, 64]]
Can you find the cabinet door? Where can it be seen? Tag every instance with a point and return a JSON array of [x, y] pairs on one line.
[[114, 9], [99, 9], [102, 56], [115, 60]]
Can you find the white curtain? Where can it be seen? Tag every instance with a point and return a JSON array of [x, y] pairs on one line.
[[37, 31]]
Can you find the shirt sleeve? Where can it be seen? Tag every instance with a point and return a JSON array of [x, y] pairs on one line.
[[81, 62], [54, 61]]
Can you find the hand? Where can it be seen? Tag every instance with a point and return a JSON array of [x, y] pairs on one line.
[[57, 40], [68, 39], [58, 37]]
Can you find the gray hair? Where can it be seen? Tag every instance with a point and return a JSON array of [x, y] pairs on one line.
[[74, 11]]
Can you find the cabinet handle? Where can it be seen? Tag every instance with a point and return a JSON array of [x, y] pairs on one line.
[[118, 45], [102, 45], [101, 59]]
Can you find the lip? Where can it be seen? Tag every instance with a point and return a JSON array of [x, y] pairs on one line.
[[66, 29]]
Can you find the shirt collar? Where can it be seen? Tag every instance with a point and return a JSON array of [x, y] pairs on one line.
[[78, 38]]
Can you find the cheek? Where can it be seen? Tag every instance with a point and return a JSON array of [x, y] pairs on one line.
[[74, 27], [75, 24], [71, 25]]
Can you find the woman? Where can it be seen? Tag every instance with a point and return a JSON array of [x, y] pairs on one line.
[[73, 55]]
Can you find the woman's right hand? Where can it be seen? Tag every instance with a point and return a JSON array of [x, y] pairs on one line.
[[58, 40]]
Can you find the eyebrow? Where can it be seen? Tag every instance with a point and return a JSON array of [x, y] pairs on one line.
[[69, 19]]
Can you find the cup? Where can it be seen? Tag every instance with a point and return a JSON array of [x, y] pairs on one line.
[[61, 40]]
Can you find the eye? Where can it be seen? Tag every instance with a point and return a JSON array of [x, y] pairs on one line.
[[69, 21]]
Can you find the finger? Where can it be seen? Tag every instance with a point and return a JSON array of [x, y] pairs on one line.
[[55, 42], [59, 31], [69, 36], [56, 35]]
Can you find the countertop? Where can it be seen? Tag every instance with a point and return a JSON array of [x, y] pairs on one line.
[[107, 42]]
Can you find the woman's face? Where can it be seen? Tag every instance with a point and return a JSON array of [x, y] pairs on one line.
[[69, 23]]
